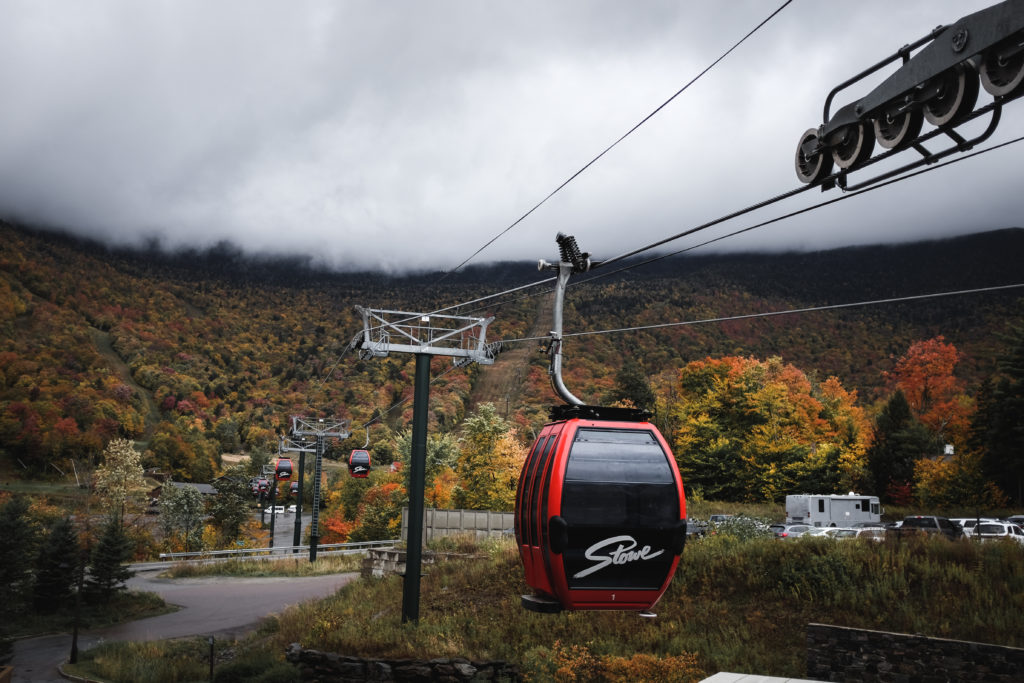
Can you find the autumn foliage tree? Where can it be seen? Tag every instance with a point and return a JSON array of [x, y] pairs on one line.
[[489, 463], [380, 513], [751, 430], [936, 396], [119, 478]]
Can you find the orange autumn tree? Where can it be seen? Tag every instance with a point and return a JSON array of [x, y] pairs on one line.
[[752, 430], [937, 398], [925, 374]]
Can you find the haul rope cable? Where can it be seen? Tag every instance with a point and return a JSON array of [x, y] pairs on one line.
[[717, 221], [769, 314], [691, 231]]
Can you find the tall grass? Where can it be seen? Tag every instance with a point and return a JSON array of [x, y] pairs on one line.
[[297, 566], [736, 604], [168, 661]]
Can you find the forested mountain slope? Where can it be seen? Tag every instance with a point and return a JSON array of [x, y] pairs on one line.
[[198, 353]]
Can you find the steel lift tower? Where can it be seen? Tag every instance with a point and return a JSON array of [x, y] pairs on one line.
[[321, 429], [464, 339]]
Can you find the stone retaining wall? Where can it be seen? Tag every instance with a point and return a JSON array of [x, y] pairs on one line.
[[381, 562], [325, 667], [836, 653]]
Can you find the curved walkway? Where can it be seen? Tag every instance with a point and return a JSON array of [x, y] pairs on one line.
[[224, 607]]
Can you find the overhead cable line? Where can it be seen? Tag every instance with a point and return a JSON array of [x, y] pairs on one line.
[[761, 224], [770, 314], [614, 144], [807, 209], [704, 226]]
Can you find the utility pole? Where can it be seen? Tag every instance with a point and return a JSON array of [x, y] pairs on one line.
[[461, 338], [321, 429]]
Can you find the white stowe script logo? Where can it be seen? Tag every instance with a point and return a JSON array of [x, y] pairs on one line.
[[620, 555]]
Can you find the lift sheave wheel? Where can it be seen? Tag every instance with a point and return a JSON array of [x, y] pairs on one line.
[[814, 167], [896, 131], [938, 79], [1002, 69], [854, 148], [958, 93]]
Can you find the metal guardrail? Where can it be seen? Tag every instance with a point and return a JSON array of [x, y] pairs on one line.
[[278, 551]]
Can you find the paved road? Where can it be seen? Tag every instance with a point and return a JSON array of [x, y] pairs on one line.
[[284, 527], [220, 606]]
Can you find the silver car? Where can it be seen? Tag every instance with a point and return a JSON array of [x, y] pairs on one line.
[[786, 532]]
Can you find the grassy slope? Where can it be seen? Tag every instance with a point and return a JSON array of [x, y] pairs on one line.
[[738, 605]]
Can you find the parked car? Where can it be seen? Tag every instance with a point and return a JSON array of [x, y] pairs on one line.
[[845, 532], [872, 533], [968, 523], [840, 532], [718, 519], [1015, 519], [929, 524], [696, 528], [292, 509], [275, 510], [786, 532], [988, 531]]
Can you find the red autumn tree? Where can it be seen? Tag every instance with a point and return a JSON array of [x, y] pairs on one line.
[[936, 395]]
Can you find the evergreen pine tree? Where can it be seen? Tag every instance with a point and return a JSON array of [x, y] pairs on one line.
[[998, 426], [632, 384], [15, 569], [56, 568], [899, 441], [107, 570]]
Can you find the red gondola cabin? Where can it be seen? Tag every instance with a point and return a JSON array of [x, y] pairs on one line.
[[359, 464], [600, 512], [283, 469]]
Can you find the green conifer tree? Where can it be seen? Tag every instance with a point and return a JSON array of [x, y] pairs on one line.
[[107, 570], [19, 535], [56, 568]]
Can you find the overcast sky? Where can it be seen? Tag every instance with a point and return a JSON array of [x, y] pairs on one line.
[[406, 134]]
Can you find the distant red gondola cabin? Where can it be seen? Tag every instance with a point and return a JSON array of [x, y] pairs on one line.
[[283, 469], [262, 484], [359, 464], [600, 516], [294, 488]]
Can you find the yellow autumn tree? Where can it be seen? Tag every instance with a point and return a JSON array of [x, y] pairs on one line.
[[753, 430], [489, 462]]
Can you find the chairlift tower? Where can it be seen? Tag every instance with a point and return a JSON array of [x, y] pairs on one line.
[[321, 429], [464, 340], [300, 446]]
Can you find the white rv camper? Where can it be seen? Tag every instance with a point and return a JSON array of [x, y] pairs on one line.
[[832, 510]]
